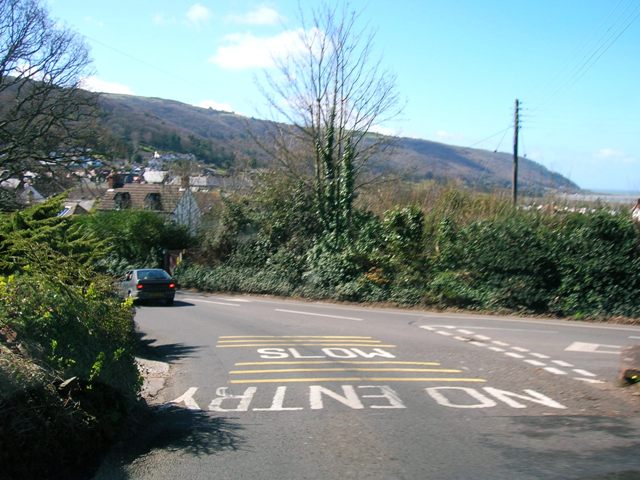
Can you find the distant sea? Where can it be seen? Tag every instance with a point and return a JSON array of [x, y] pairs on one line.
[[629, 197]]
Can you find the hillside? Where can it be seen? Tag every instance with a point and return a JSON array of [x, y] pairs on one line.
[[222, 138]]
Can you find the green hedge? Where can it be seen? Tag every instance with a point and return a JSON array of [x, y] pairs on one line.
[[498, 258]]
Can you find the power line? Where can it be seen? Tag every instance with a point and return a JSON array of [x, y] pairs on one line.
[[490, 136], [138, 60], [618, 26]]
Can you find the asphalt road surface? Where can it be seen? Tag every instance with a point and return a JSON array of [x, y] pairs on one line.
[[265, 388]]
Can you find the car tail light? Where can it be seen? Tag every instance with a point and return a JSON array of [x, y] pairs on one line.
[[172, 285], [139, 286]]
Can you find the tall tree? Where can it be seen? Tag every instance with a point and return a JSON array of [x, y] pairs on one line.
[[325, 100], [43, 112]]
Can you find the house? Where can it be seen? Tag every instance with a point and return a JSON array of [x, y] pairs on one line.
[[175, 203], [71, 208]]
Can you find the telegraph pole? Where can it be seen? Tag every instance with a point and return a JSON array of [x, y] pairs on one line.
[[516, 128]]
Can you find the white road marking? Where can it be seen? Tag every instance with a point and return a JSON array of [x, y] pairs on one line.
[[187, 399], [535, 363], [593, 348], [588, 380], [585, 373], [478, 344], [482, 337], [562, 363], [238, 300], [635, 338], [539, 355], [496, 349], [461, 339], [442, 332], [465, 332], [555, 371], [426, 327], [296, 312], [211, 302], [502, 344], [513, 355], [484, 401], [520, 349]]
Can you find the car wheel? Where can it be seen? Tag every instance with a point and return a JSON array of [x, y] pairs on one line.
[[169, 302]]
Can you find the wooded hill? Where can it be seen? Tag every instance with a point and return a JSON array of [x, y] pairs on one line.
[[223, 139]]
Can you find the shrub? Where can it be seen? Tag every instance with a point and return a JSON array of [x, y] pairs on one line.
[[135, 238], [73, 326], [598, 257]]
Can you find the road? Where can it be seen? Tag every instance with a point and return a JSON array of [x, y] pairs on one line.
[[274, 389]]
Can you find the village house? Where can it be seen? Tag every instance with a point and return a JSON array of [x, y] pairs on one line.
[[175, 203]]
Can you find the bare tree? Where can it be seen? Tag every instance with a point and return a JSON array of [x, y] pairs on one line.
[[43, 112], [325, 100]]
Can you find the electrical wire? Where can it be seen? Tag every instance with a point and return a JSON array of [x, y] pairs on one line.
[[624, 18], [490, 136]]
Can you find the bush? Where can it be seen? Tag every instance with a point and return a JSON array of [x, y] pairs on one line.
[[76, 329], [598, 258], [451, 247], [135, 238]]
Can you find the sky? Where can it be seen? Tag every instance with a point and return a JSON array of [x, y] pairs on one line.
[[460, 65]]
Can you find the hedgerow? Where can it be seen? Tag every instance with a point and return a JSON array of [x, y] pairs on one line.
[[473, 251], [67, 366]]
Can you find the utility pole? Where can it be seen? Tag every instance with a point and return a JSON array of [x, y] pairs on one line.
[[516, 128]]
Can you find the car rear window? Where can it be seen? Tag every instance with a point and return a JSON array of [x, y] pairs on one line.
[[153, 275]]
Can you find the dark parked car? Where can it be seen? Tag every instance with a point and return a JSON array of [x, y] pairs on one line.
[[149, 284]]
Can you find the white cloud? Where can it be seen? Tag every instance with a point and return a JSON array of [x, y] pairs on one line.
[[262, 15], [614, 155], [95, 84], [225, 107], [198, 14], [244, 50]]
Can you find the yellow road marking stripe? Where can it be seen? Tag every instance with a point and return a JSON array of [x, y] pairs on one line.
[[358, 379], [339, 362], [328, 345], [294, 370], [293, 336]]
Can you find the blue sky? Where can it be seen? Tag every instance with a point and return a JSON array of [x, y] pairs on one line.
[[460, 64]]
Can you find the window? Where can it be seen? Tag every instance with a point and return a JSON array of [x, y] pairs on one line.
[[122, 200], [152, 201]]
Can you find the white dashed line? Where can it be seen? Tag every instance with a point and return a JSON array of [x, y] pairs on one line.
[[211, 302], [513, 355], [425, 327], [586, 377], [562, 363], [539, 355], [555, 371], [311, 314], [588, 380], [536, 363]]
